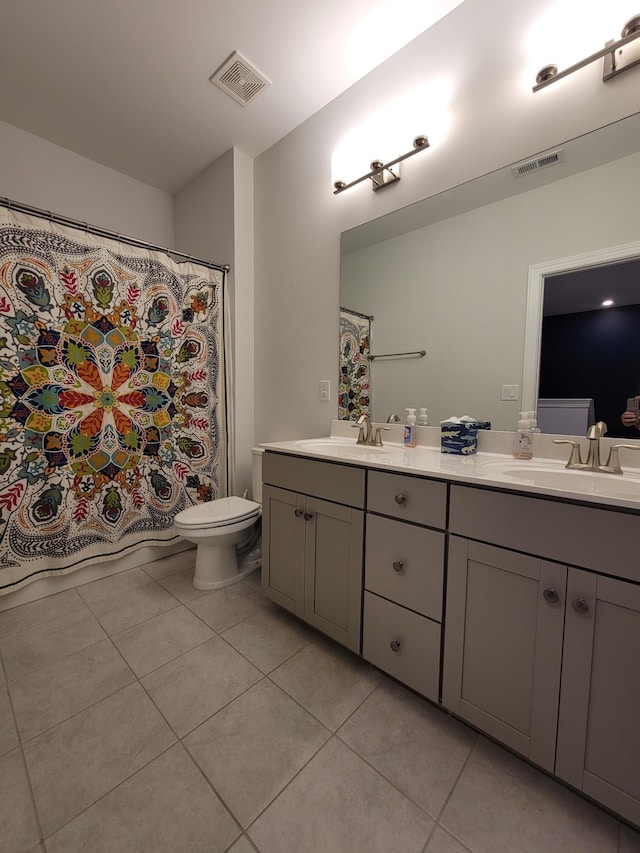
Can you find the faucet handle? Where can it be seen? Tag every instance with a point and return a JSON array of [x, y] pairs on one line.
[[361, 435], [575, 459], [377, 438], [613, 463]]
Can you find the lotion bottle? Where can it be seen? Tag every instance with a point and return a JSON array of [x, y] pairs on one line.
[[410, 436], [523, 438]]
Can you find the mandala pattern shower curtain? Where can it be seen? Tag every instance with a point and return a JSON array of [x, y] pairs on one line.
[[112, 408], [354, 394]]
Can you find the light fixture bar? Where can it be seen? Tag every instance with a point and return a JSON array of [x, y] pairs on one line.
[[549, 74], [420, 143]]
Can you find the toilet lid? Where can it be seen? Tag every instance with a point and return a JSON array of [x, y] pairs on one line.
[[218, 512]]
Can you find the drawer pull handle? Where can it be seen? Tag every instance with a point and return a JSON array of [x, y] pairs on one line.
[[551, 596], [400, 499], [394, 645], [308, 516], [580, 605], [398, 565], [297, 513]]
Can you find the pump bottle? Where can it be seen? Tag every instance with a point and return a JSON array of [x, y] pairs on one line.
[[523, 438], [410, 432]]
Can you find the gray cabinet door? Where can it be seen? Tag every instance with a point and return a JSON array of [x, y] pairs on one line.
[[283, 537], [599, 722], [503, 645], [333, 570]]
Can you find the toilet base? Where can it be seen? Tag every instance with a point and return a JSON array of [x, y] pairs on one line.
[[217, 566]]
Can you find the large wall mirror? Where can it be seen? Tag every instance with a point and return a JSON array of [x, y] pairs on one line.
[[468, 276]]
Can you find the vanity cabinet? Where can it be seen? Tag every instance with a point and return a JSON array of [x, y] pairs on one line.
[[313, 524], [404, 576], [542, 655]]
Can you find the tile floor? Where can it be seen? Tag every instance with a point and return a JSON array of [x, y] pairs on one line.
[[139, 714]]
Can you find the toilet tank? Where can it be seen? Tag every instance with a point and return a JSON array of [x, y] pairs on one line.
[[256, 474]]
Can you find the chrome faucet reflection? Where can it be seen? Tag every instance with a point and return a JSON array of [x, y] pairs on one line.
[[594, 434], [368, 434]]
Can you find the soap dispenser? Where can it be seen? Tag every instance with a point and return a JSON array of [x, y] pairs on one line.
[[410, 437], [423, 417], [523, 438]]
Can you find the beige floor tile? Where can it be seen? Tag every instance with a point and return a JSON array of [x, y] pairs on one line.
[[338, 804], [180, 585], [78, 761], [8, 735], [44, 644], [161, 639], [179, 562], [35, 612], [45, 698], [629, 840], [167, 807], [442, 842], [119, 612], [191, 688], [113, 585], [252, 748], [242, 846], [327, 680], [18, 827], [255, 580], [415, 746], [225, 607], [501, 804], [269, 638]]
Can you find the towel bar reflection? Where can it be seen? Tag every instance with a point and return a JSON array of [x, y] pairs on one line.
[[419, 353]]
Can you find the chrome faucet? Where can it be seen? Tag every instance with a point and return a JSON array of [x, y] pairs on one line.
[[594, 434], [393, 419], [367, 434]]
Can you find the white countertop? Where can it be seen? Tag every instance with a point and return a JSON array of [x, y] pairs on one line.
[[538, 476]]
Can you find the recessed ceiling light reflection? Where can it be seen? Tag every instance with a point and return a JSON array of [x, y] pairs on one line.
[[607, 303]]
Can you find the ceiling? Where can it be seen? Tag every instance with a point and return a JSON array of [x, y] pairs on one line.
[[127, 83]]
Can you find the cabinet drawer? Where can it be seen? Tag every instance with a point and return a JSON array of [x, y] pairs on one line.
[[341, 484], [405, 564], [416, 662], [408, 498]]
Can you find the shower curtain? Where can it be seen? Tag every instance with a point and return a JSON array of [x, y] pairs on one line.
[[112, 396], [354, 395]]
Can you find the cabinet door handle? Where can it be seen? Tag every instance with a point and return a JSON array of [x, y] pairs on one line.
[[308, 516], [398, 565], [580, 606], [297, 512], [551, 596], [400, 499], [394, 645]]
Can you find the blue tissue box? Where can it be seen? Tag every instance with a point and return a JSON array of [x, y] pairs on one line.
[[461, 439]]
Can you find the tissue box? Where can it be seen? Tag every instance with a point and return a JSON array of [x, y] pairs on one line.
[[461, 439]]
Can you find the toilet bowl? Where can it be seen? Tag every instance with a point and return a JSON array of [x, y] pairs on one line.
[[218, 528]]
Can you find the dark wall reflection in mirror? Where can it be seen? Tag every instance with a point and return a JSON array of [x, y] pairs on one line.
[[589, 350]]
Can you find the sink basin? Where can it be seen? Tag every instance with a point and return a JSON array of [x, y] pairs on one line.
[[340, 446], [591, 482]]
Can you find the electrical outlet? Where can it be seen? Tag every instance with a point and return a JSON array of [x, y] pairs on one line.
[[510, 392], [325, 390]]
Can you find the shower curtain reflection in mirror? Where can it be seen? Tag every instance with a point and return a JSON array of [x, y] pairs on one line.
[[354, 381]]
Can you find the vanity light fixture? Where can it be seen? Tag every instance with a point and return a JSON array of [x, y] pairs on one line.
[[383, 174], [615, 59]]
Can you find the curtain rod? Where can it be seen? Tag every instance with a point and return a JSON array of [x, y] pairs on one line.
[[357, 313], [103, 232]]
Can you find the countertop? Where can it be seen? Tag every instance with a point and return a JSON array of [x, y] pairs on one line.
[[537, 477]]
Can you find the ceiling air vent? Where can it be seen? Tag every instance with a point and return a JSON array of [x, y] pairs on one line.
[[239, 79], [537, 163]]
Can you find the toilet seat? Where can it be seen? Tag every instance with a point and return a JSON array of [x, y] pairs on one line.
[[218, 513]]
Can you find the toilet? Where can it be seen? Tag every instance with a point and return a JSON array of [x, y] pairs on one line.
[[218, 528]]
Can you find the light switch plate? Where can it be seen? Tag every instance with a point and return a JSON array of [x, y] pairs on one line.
[[325, 390], [509, 392]]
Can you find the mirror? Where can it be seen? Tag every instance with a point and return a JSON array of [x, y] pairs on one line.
[[452, 276]]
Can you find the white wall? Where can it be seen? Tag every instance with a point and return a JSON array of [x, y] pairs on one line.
[[43, 175], [458, 289], [497, 120], [214, 221]]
